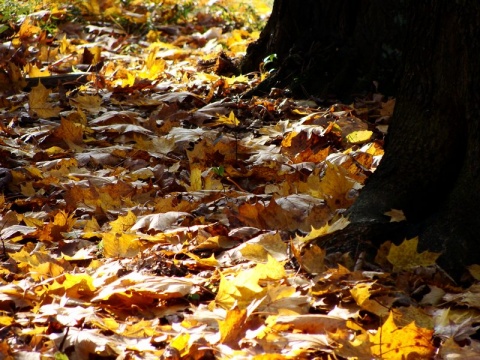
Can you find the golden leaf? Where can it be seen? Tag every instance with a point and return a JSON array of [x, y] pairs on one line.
[[231, 120], [245, 287], [34, 71], [231, 329], [359, 137], [254, 252], [405, 256], [28, 30], [210, 262], [120, 245], [75, 286], [409, 342], [52, 231], [195, 178], [123, 223]]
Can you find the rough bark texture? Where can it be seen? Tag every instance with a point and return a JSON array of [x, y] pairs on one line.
[[431, 167], [331, 47], [431, 163]]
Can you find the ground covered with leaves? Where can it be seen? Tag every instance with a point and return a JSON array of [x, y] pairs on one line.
[[149, 211]]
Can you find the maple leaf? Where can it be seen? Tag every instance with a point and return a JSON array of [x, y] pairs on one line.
[[259, 248], [392, 342], [362, 294], [141, 166], [91, 103], [232, 328], [246, 286], [311, 259], [34, 71], [75, 286], [39, 104], [405, 256], [62, 222], [120, 245], [396, 215], [28, 30], [69, 132]]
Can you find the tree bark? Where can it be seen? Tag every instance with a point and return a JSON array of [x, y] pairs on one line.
[[331, 47], [431, 167]]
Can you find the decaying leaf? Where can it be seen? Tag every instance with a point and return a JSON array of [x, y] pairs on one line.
[[149, 210]]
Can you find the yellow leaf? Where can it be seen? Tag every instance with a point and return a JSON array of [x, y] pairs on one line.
[[154, 68], [231, 120], [123, 223], [91, 225], [120, 245], [15, 76], [326, 229], [409, 342], [140, 329], [195, 178], [227, 292], [379, 305], [237, 79], [254, 252], [27, 189], [258, 248], [356, 348], [405, 256], [231, 329], [211, 261], [92, 6], [46, 270], [181, 343], [75, 285], [28, 29], [34, 71], [272, 270], [52, 231], [245, 287], [387, 108], [54, 150], [361, 292], [334, 186], [262, 7], [359, 137], [6, 320]]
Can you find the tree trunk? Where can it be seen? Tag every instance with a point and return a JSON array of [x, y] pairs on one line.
[[331, 47], [431, 167]]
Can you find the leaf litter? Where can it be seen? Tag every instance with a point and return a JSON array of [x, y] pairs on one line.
[[149, 211]]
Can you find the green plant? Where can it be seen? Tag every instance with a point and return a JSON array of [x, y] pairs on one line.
[[219, 170], [268, 64], [10, 10]]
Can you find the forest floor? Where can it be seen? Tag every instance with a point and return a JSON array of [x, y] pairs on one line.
[[149, 211]]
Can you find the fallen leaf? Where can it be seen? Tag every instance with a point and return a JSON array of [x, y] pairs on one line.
[[405, 256], [392, 342]]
